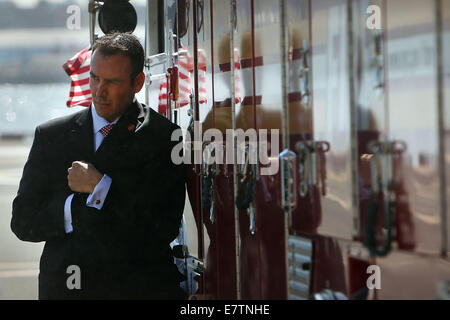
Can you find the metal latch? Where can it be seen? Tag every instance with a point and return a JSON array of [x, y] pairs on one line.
[[209, 171], [196, 265], [304, 75], [382, 172], [288, 174], [246, 188], [377, 63], [311, 155]]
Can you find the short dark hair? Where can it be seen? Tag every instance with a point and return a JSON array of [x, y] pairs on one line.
[[122, 43]]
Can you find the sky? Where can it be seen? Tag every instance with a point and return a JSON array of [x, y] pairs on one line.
[[32, 3]]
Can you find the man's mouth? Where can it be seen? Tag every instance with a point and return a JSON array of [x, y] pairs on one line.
[[102, 103]]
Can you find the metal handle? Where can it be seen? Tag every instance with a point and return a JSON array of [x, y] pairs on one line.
[[157, 59], [304, 163], [288, 174], [381, 165], [233, 15], [246, 176], [200, 6], [304, 75], [212, 217], [181, 53], [183, 7], [378, 61], [322, 147], [371, 222], [251, 213], [382, 173], [309, 152], [209, 171], [246, 189], [94, 6]]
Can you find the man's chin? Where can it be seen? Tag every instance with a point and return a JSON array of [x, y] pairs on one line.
[[103, 111]]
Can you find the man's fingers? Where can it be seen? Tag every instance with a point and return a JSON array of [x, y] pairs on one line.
[[82, 177], [79, 164]]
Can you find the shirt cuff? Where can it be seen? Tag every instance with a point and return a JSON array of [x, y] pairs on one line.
[[98, 196], [68, 214]]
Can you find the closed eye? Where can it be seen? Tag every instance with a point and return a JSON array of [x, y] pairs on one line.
[[115, 81]]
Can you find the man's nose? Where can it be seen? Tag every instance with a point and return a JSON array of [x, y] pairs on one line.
[[101, 89]]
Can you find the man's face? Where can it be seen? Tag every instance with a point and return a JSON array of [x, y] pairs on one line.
[[110, 83]]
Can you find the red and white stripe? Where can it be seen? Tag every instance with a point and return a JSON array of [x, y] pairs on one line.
[[185, 65], [202, 62], [162, 104], [237, 76], [78, 68]]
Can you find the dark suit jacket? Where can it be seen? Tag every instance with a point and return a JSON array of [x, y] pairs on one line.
[[123, 249]]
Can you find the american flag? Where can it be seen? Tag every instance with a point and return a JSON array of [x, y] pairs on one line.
[[185, 65], [78, 68]]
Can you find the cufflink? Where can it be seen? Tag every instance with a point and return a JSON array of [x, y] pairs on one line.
[[97, 202]]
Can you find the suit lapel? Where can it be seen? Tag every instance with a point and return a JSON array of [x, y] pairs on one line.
[[141, 118], [81, 139], [118, 145]]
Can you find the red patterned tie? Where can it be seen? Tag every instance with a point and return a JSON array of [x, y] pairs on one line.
[[106, 129]]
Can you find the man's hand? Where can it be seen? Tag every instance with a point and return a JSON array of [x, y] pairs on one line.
[[83, 177]]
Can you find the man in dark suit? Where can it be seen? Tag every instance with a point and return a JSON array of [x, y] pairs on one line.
[[99, 187]]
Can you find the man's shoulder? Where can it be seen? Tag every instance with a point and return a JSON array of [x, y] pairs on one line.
[[62, 123], [160, 123]]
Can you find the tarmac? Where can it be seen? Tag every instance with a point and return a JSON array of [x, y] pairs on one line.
[[19, 261]]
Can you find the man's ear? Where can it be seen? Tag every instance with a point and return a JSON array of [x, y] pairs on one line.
[[139, 82]]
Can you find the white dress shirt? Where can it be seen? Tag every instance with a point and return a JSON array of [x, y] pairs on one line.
[[98, 196]]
